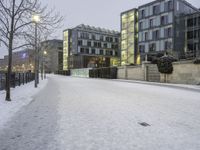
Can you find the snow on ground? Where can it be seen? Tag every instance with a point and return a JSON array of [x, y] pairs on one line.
[[20, 96], [105, 115], [89, 114], [183, 86]]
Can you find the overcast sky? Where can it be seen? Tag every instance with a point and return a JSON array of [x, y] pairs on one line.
[[100, 13]]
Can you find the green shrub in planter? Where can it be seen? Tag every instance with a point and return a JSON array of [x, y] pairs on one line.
[[165, 64]]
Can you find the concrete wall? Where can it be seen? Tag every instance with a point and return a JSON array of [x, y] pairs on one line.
[[132, 73], [185, 72], [146, 72], [151, 72]]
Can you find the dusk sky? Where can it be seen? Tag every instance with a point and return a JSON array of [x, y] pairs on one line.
[[100, 13]]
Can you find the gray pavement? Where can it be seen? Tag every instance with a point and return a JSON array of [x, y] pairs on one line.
[[88, 114], [35, 125]]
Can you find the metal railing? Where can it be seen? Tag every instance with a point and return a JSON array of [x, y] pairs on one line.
[[17, 79]]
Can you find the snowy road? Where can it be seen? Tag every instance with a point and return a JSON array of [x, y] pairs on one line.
[[88, 114]]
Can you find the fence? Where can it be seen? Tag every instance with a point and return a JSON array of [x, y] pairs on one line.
[[107, 73], [17, 79], [62, 72]]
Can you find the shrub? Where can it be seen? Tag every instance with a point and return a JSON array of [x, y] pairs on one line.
[[197, 61], [165, 64]]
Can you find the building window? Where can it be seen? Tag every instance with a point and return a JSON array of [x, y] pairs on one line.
[[93, 51], [146, 36], [156, 35], [101, 52], [82, 50], [151, 23], [190, 35], [105, 45], [111, 53], [80, 42], [89, 43], [168, 32], [168, 45], [111, 39], [108, 53], [99, 44], [143, 13], [156, 10], [164, 20], [87, 50], [116, 40], [93, 37], [95, 44], [84, 35], [192, 22], [108, 39], [142, 48], [141, 25], [199, 21], [101, 38], [152, 47], [170, 5]]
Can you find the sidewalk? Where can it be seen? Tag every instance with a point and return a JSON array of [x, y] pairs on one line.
[[20, 96], [177, 86]]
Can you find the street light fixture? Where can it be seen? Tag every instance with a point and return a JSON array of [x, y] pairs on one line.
[[43, 66], [36, 20]]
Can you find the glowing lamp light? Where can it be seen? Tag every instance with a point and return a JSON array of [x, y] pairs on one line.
[[45, 52], [36, 18]]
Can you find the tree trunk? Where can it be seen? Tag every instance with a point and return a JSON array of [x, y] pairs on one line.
[[10, 47], [9, 70]]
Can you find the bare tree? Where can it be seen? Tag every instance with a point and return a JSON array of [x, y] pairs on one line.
[[16, 27]]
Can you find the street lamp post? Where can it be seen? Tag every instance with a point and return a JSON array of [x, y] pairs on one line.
[[43, 65], [44, 62], [36, 19]]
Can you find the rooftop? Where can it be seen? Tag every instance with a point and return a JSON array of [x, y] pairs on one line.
[[97, 29]]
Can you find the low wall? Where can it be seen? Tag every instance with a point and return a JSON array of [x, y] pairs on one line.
[[80, 72], [144, 72], [185, 72]]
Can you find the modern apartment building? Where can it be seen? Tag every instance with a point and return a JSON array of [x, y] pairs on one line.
[[86, 46], [192, 23], [21, 61], [52, 59], [129, 37], [161, 29]]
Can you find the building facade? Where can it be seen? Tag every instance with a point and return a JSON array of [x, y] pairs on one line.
[[22, 61], [52, 59], [85, 46], [192, 23], [161, 29], [129, 37]]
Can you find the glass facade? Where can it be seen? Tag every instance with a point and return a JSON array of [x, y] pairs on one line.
[[65, 49], [129, 37]]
